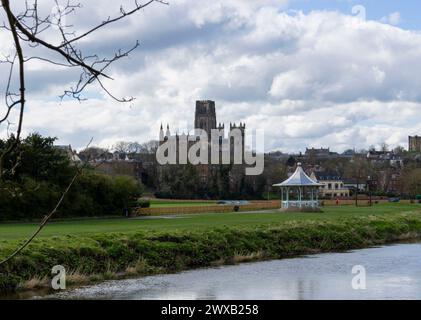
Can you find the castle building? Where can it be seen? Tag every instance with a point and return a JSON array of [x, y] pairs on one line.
[[414, 144]]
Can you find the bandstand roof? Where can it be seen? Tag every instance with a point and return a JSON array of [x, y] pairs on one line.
[[299, 179]]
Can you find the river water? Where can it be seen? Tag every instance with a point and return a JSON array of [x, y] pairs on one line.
[[392, 272]]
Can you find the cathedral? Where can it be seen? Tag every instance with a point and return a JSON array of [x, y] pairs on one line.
[[205, 119], [208, 163]]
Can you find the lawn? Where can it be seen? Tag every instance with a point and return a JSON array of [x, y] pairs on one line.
[[17, 231], [100, 249], [169, 203]]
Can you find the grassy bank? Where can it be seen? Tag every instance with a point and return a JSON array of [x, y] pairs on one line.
[[96, 250]]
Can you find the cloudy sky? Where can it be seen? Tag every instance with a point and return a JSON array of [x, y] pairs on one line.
[[319, 73]]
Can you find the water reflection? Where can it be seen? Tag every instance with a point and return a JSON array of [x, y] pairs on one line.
[[393, 272]]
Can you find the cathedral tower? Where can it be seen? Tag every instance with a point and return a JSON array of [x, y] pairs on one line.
[[205, 117]]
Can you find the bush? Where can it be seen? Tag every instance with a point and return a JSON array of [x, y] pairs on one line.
[[43, 173], [93, 194], [144, 203]]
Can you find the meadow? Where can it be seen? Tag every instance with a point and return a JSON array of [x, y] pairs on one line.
[[81, 227], [98, 249]]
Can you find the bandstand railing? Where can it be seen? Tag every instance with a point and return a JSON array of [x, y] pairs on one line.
[[301, 204]]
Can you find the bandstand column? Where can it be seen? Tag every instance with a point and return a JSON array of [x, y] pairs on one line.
[[300, 197], [282, 197], [311, 194]]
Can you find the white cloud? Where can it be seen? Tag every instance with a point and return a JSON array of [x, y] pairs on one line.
[[317, 79], [393, 18]]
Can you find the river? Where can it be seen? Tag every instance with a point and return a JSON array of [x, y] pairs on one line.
[[392, 272]]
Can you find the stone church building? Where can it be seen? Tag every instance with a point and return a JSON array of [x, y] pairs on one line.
[[206, 120]]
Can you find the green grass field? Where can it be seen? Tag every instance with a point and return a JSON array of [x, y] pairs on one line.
[[99, 249], [169, 203], [18, 231]]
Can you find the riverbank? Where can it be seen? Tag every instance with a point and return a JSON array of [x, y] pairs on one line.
[[310, 277], [90, 257]]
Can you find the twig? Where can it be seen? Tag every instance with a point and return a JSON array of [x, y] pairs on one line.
[[48, 217]]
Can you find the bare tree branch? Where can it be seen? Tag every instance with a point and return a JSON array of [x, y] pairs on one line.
[[109, 21], [27, 28], [47, 218], [19, 54]]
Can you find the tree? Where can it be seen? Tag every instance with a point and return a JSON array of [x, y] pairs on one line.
[[399, 150], [28, 30], [291, 161], [122, 147], [43, 172], [384, 147], [358, 168], [150, 147], [48, 39], [39, 159], [93, 153], [126, 189], [42, 161], [411, 180]]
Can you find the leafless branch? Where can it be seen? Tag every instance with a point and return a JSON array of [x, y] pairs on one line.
[[26, 28], [47, 218]]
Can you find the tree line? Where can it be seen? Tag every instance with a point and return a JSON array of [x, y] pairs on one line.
[[37, 174]]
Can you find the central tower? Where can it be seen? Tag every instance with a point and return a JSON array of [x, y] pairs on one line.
[[205, 117]]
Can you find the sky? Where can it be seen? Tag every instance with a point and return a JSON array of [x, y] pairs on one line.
[[311, 73]]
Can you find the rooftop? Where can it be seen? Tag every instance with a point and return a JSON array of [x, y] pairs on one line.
[[298, 179], [327, 176]]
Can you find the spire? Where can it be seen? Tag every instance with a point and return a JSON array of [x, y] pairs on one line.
[[168, 133], [161, 133]]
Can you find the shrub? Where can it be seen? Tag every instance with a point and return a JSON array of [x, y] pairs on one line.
[[144, 203], [93, 194]]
